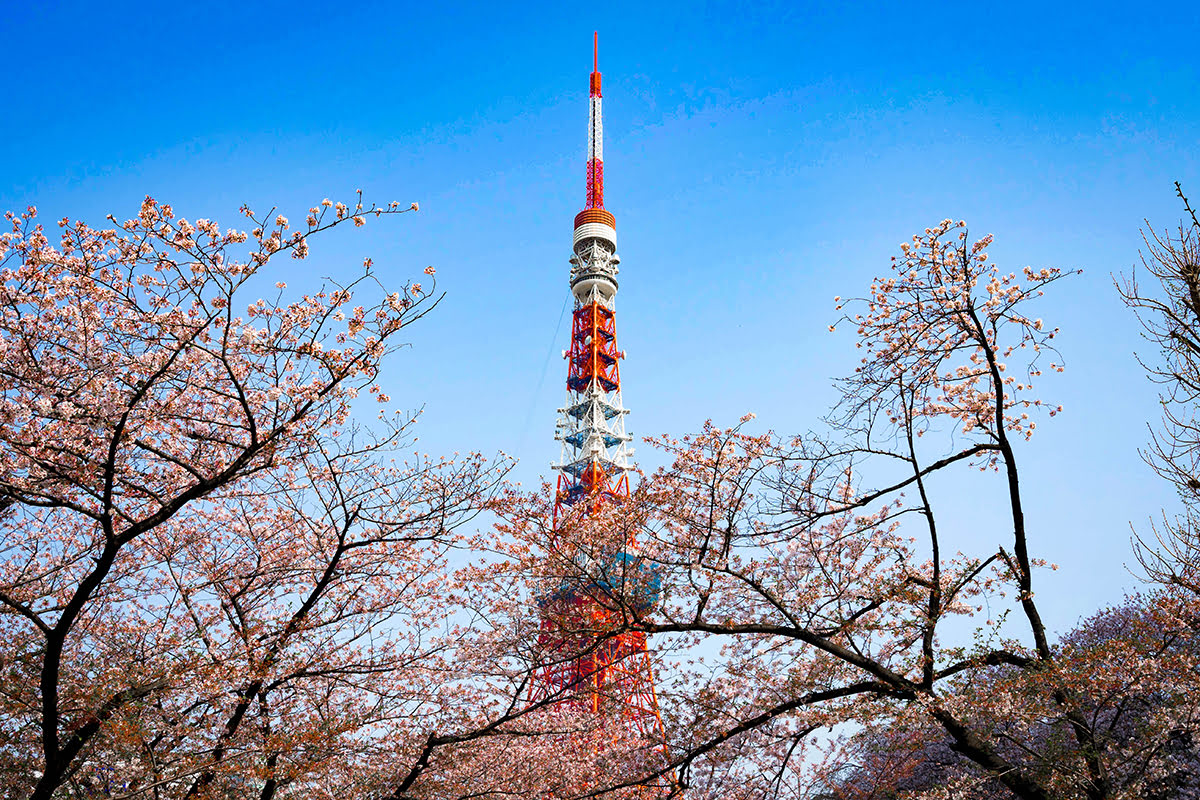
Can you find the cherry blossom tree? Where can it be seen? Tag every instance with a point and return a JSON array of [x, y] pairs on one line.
[[1138, 728], [214, 582], [818, 584], [1169, 310], [1143, 712]]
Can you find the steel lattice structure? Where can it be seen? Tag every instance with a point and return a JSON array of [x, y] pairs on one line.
[[593, 666]]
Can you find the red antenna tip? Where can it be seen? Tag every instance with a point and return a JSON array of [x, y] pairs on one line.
[[595, 51]]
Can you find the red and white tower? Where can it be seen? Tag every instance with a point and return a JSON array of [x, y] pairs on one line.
[[595, 454], [593, 664]]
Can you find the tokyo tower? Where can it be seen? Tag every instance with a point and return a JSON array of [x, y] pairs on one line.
[[592, 664]]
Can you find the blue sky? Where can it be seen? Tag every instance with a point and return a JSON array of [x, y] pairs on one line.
[[760, 159]]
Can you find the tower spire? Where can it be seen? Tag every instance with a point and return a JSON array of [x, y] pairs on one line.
[[595, 154]]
